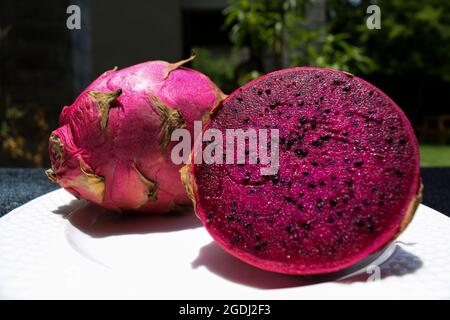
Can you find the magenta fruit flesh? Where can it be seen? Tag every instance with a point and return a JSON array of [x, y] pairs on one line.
[[348, 182]]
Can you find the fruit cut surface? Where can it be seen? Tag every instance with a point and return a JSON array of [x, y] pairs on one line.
[[348, 181]]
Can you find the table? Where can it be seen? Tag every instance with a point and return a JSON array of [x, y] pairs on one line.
[[20, 185]]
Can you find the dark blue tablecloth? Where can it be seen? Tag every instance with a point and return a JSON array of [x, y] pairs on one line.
[[18, 186]]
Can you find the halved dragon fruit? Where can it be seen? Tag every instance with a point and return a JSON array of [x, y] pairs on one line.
[[113, 145], [348, 181]]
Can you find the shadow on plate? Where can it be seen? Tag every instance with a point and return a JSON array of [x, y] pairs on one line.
[[67, 209], [400, 263], [395, 261], [99, 222]]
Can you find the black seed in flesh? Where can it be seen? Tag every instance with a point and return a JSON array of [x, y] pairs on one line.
[[289, 199], [307, 225], [275, 179], [358, 163], [319, 204], [235, 239], [301, 153], [289, 143], [345, 198], [359, 223], [274, 104], [336, 82]]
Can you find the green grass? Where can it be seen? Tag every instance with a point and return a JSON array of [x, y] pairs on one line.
[[434, 155]]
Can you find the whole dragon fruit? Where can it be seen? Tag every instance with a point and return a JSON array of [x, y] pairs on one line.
[[348, 181], [113, 145]]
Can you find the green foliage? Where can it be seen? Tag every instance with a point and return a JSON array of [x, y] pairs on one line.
[[423, 29], [220, 67], [260, 24], [4, 32], [248, 76], [434, 156], [414, 38], [15, 123], [327, 50], [278, 29], [263, 27]]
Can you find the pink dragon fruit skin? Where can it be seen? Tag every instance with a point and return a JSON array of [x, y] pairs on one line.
[[113, 143], [348, 182]]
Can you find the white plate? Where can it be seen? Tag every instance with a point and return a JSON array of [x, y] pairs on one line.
[[58, 247]]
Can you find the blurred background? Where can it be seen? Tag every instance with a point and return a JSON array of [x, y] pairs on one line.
[[44, 65]]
